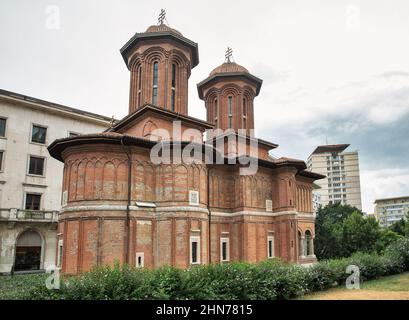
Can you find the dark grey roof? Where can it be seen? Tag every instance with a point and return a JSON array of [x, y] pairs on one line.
[[53, 105], [330, 148]]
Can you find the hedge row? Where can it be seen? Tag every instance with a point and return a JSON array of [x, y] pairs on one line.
[[267, 280]]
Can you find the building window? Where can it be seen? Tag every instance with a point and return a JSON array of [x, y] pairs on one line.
[[195, 250], [3, 127], [230, 106], [270, 248], [173, 94], [308, 241], [38, 134], [244, 113], [33, 201], [216, 108], [36, 166], [140, 260], [224, 250], [139, 85], [59, 254], [155, 83], [1, 160]]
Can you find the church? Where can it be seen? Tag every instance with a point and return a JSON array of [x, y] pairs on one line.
[[124, 201]]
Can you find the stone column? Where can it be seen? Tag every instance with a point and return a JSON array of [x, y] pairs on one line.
[[312, 247]]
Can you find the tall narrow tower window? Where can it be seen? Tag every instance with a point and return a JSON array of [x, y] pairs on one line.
[[216, 108], [230, 105], [139, 85], [173, 94], [155, 84], [244, 113]]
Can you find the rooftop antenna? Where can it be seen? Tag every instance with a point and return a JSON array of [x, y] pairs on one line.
[[162, 16], [229, 55]]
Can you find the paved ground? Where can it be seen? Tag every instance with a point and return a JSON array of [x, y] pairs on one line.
[[387, 288]]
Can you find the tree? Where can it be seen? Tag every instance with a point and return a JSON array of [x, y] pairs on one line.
[[386, 238], [341, 230], [359, 234], [402, 226], [328, 230]]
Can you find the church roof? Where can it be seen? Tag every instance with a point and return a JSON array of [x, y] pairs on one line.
[[165, 32], [163, 112], [229, 67], [162, 28]]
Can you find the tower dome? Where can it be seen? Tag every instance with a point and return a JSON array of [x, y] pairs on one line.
[[229, 93], [162, 28], [228, 67]]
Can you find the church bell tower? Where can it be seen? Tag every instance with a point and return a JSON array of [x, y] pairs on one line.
[[229, 93], [160, 62]]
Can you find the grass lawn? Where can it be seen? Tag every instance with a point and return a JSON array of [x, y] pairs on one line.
[[14, 288], [394, 287]]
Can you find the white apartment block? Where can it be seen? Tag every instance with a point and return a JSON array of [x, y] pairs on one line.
[[342, 184], [316, 197], [391, 210], [30, 180]]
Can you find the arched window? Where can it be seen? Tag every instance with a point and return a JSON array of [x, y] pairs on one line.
[[244, 113], [139, 85], [173, 94], [28, 251], [155, 83], [300, 244], [216, 108], [230, 111], [308, 243]]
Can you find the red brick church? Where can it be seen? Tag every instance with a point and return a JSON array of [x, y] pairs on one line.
[[120, 205]]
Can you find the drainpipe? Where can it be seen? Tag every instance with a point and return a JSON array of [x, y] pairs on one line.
[[127, 220], [210, 214]]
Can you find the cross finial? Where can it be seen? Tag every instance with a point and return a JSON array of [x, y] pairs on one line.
[[162, 16], [229, 54], [112, 122]]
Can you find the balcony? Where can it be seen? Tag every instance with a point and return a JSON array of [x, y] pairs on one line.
[[12, 216]]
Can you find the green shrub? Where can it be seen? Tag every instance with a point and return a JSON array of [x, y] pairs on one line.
[[400, 249], [272, 279]]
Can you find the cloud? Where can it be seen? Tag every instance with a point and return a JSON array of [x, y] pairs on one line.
[[389, 74], [376, 100], [383, 183]]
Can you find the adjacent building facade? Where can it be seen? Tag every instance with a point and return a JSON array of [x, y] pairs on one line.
[[391, 210], [30, 180], [341, 168], [316, 198], [119, 204]]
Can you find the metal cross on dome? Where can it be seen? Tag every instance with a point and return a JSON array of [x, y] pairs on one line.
[[162, 16], [229, 54]]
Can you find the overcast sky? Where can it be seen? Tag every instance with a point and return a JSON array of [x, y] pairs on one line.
[[333, 70]]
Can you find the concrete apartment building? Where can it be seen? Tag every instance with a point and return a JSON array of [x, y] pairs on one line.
[[30, 180], [341, 168], [316, 198], [391, 210]]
